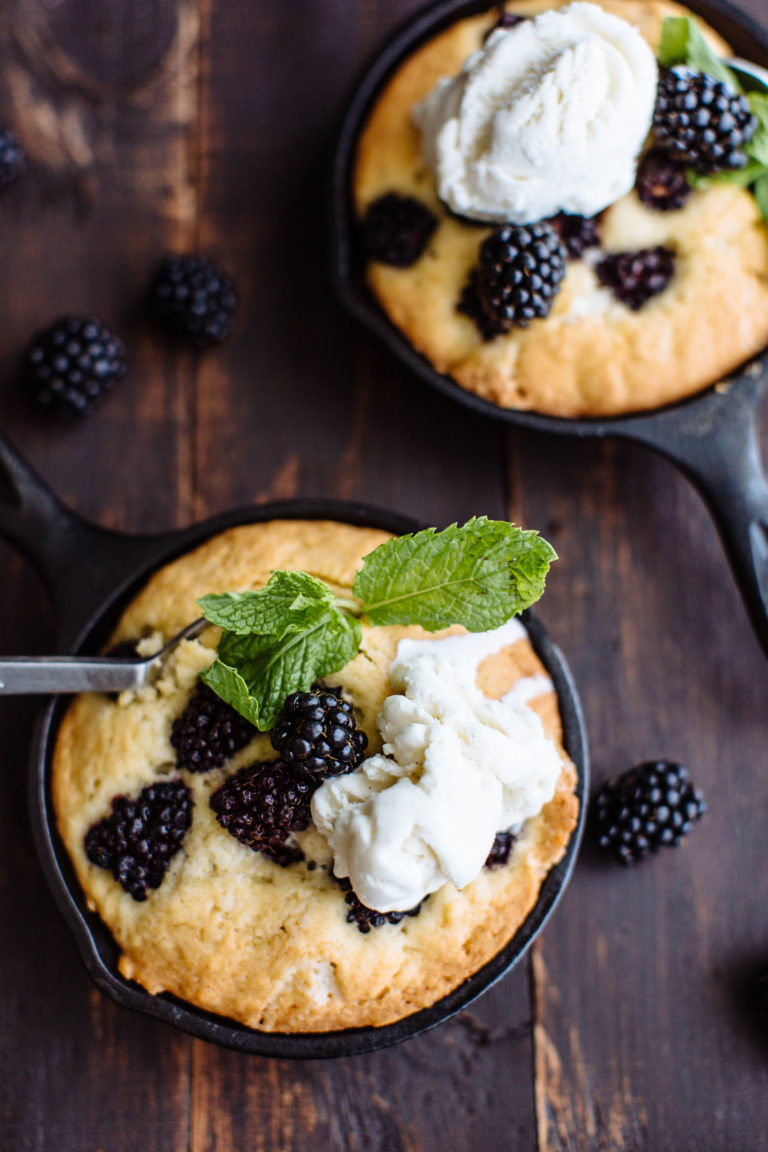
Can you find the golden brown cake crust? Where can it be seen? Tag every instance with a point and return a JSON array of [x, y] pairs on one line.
[[228, 930], [592, 356]]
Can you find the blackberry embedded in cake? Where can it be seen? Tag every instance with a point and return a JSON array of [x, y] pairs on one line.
[[702, 121], [141, 835], [208, 732], [518, 275], [317, 735], [396, 230], [261, 805]]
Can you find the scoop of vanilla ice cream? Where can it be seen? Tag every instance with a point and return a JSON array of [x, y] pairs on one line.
[[456, 769], [548, 116]]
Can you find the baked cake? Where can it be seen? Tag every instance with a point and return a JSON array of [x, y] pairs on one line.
[[270, 938], [658, 295]]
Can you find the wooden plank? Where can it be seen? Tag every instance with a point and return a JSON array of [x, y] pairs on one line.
[[319, 410], [163, 126], [645, 975], [105, 100], [128, 140]]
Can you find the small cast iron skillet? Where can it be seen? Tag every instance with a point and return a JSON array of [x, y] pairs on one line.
[[712, 437], [91, 573]]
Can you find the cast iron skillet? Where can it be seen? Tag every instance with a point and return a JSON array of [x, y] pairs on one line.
[[91, 573], [712, 438]]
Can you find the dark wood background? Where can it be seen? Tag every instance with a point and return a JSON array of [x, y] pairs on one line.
[[636, 1025]]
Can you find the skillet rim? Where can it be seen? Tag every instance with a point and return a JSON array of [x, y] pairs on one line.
[[98, 950], [346, 268]]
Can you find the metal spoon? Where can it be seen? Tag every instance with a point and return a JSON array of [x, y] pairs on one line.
[[31, 675]]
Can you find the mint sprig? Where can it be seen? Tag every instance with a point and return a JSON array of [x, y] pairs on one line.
[[683, 42], [291, 600], [479, 575], [255, 673], [283, 637]]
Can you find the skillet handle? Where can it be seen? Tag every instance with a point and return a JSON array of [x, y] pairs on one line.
[[31, 516], [80, 563], [715, 444]]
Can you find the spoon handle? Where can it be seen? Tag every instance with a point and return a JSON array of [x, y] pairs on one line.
[[32, 675]]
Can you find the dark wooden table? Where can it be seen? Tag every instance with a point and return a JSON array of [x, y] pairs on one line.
[[636, 1024]]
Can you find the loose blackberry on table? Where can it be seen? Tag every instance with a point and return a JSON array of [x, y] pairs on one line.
[[70, 365], [516, 279], [702, 121], [396, 230], [636, 277], [261, 805], [208, 732], [317, 735], [651, 805], [141, 835], [194, 299], [13, 158]]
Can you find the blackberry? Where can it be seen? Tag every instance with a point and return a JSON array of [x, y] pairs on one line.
[[501, 850], [702, 121], [505, 20], [661, 181], [576, 232], [517, 278], [367, 918], [469, 304], [281, 853], [13, 158], [316, 734], [635, 277], [208, 732], [194, 299], [141, 835], [396, 229], [649, 806], [260, 805], [72, 364]]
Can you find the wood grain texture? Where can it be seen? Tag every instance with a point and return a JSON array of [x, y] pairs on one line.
[[210, 125], [662, 1053], [169, 125]]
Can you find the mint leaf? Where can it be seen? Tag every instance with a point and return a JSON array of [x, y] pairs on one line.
[[255, 674], [227, 683], [291, 600], [739, 177], [675, 33], [754, 175], [757, 147], [705, 59], [683, 42], [761, 195], [478, 575]]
